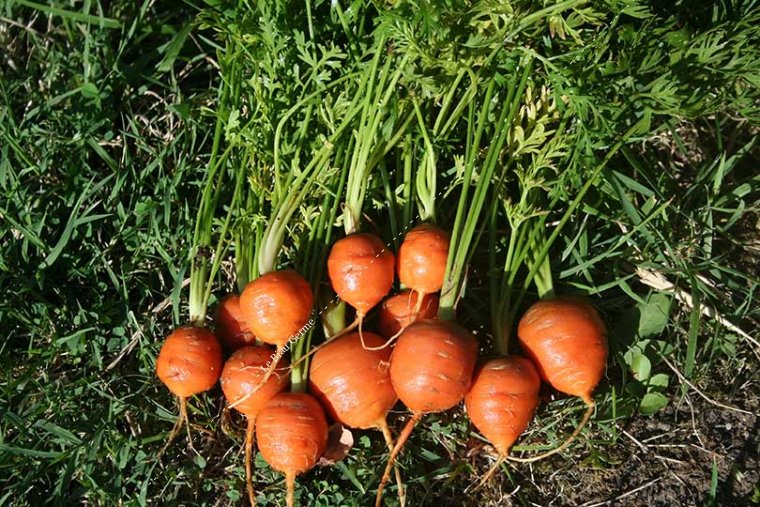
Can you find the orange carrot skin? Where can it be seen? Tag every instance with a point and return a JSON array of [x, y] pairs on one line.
[[503, 399], [353, 383], [190, 361], [422, 258], [291, 432], [567, 340], [276, 306], [432, 365], [360, 268], [242, 373], [397, 311], [231, 328]]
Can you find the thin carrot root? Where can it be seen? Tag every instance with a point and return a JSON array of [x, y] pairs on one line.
[[491, 472], [402, 438], [290, 484], [387, 343], [181, 418], [383, 425], [418, 304], [360, 318], [416, 311], [226, 422], [248, 461], [183, 413], [268, 373], [586, 416]]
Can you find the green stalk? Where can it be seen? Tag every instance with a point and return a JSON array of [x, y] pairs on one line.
[[202, 235], [314, 263], [452, 278], [456, 114], [223, 241], [203, 270], [379, 92], [357, 172], [275, 233], [386, 180], [542, 253], [426, 177], [493, 279], [468, 212], [543, 277], [246, 240], [281, 186], [298, 189], [425, 182], [408, 156]]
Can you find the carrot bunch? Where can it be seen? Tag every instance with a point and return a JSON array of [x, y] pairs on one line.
[[420, 351]]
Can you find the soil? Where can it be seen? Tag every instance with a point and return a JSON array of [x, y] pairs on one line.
[[662, 460], [672, 461]]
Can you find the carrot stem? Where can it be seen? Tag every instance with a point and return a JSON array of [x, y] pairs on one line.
[[402, 438], [586, 416], [383, 425], [248, 461], [183, 415]]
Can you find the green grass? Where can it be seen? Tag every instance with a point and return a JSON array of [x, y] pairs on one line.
[[107, 119]]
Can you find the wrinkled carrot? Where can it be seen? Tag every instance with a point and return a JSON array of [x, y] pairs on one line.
[[502, 401], [360, 268], [352, 381], [567, 340], [291, 432], [431, 370], [189, 363]]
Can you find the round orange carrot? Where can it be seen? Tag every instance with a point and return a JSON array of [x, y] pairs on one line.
[[360, 268], [351, 378], [353, 384], [431, 370], [189, 363], [291, 431], [276, 306], [567, 340], [277, 309], [502, 401], [422, 258]]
